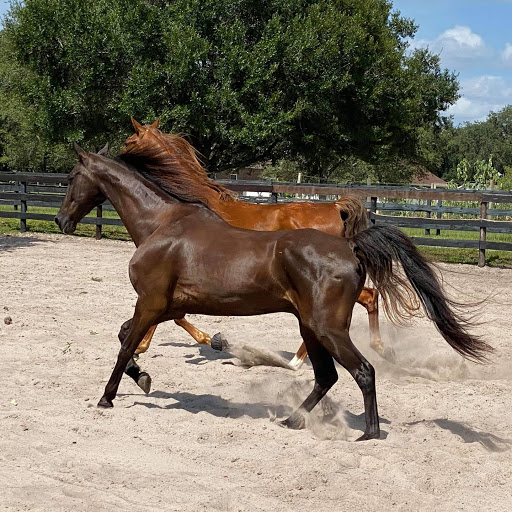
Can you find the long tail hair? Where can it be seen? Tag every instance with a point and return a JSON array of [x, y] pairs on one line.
[[381, 246], [353, 214]]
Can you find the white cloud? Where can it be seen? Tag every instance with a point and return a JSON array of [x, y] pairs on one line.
[[458, 46], [506, 55], [480, 96], [487, 86], [461, 37]]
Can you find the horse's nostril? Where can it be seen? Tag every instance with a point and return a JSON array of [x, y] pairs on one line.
[[56, 220]]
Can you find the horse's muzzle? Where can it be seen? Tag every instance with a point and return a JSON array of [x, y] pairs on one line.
[[66, 225]]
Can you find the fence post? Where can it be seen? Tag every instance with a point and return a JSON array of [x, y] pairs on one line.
[[429, 214], [427, 230], [483, 234], [99, 215], [273, 198], [373, 209], [491, 204], [439, 214], [23, 207], [16, 189]]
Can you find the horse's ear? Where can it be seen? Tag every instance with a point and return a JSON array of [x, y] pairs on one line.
[[104, 150], [156, 123], [79, 151], [136, 125]]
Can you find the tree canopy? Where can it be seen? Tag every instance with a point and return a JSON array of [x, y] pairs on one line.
[[315, 82], [478, 142]]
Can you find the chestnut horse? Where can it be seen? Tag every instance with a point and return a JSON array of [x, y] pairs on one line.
[[343, 218], [188, 260]]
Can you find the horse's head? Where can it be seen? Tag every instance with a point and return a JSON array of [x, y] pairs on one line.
[[144, 135], [83, 192]]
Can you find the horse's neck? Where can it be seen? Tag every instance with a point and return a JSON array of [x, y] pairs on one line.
[[140, 204]]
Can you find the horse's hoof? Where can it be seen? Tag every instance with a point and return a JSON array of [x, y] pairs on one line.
[[367, 437], [219, 342], [295, 422], [389, 355], [296, 363], [144, 382], [105, 403]]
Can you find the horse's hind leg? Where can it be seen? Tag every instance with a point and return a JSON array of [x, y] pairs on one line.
[[369, 298], [339, 344], [325, 377]]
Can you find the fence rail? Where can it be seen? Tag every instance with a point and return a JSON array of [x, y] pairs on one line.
[[23, 190]]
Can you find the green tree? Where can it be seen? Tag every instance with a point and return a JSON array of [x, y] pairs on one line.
[[314, 82], [477, 142], [479, 174]]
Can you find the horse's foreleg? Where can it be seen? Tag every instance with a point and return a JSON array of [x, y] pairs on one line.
[[135, 330], [142, 379], [200, 336], [369, 298], [132, 369]]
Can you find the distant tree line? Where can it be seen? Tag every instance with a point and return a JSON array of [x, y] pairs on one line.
[[329, 87]]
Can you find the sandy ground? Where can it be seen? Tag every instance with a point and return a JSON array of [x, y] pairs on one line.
[[205, 437]]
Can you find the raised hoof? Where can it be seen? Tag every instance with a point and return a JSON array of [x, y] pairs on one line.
[[295, 422], [386, 352], [367, 437], [219, 342], [144, 382], [105, 403], [389, 355]]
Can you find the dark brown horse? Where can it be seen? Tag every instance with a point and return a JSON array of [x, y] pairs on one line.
[[188, 260], [344, 217]]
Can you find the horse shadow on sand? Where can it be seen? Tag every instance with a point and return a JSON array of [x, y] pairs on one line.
[[329, 413], [488, 441], [9, 243], [213, 404], [206, 354]]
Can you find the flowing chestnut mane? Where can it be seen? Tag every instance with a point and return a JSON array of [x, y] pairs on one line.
[[173, 164]]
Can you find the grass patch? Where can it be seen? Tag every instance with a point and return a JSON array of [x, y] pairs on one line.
[[12, 226], [469, 256]]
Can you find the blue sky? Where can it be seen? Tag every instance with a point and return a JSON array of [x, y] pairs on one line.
[[473, 38]]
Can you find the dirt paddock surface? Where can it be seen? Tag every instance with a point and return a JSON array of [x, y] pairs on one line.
[[206, 438]]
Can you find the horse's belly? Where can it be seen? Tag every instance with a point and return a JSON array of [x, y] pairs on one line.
[[212, 300]]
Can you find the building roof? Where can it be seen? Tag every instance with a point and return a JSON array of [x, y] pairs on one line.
[[427, 178]]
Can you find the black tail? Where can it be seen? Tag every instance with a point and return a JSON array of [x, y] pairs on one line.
[[384, 245]]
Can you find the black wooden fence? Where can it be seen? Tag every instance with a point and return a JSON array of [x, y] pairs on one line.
[[21, 190]]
